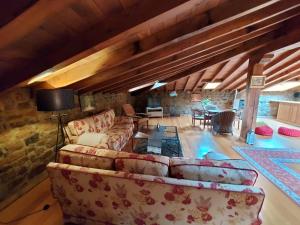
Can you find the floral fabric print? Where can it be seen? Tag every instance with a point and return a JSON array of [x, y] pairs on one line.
[[123, 120], [109, 118], [222, 171], [118, 137], [142, 164], [87, 156], [94, 196], [86, 125], [119, 129]]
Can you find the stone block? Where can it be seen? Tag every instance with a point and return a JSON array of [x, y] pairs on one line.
[[22, 170], [36, 170], [8, 176], [32, 139], [24, 105], [3, 152]]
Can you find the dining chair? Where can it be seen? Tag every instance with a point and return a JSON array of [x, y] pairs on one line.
[[198, 114], [222, 122]]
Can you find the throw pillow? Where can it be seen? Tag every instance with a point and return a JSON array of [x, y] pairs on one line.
[[221, 171], [142, 164], [92, 139]]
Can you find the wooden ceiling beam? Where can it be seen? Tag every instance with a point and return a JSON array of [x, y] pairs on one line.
[[116, 55], [219, 71], [290, 34], [210, 52], [200, 78], [240, 82], [191, 56], [186, 83], [210, 32], [278, 59], [231, 74], [283, 74], [119, 27], [247, 46], [292, 59], [285, 77], [34, 17]]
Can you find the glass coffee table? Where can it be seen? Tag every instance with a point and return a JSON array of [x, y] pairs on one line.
[[160, 140]]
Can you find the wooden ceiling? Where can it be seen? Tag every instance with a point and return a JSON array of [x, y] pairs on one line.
[[115, 45]]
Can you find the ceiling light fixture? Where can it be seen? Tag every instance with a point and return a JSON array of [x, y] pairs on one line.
[[211, 85], [158, 84], [140, 87]]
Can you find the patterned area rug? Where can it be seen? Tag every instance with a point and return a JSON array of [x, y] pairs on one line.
[[281, 166]]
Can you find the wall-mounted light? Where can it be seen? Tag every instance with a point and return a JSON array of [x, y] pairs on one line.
[[158, 84]]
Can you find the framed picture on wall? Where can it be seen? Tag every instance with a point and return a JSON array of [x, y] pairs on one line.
[[257, 81], [87, 102]]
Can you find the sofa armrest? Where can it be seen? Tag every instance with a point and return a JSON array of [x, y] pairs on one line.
[[86, 156], [72, 139]]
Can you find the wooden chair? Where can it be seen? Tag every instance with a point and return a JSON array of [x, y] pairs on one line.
[[138, 118], [198, 114]]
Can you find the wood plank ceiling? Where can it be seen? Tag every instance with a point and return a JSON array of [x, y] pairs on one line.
[[115, 45]]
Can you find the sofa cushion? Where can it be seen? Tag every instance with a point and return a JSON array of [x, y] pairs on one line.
[[87, 156], [92, 139], [222, 171], [118, 137], [86, 125], [142, 164], [100, 122]]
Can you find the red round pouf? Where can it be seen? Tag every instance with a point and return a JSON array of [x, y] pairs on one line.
[[264, 130], [289, 132]]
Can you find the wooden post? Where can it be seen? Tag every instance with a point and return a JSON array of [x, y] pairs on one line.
[[256, 67]]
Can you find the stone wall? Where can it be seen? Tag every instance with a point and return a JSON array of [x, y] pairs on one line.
[[268, 108], [181, 104], [28, 137]]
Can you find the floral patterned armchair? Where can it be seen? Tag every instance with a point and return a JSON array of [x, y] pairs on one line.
[[95, 196]]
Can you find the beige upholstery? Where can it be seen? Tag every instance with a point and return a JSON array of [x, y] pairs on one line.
[[107, 197], [118, 129]]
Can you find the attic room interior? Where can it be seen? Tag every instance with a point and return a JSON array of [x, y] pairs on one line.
[[148, 112]]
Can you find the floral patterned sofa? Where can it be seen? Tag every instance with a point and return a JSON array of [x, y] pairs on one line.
[[131, 189], [118, 129]]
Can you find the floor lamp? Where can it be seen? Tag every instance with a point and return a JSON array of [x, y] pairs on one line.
[[56, 100]]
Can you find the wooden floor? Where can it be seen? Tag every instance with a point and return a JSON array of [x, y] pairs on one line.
[[278, 209]]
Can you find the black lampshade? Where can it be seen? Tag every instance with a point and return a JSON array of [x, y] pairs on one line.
[[54, 99]]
